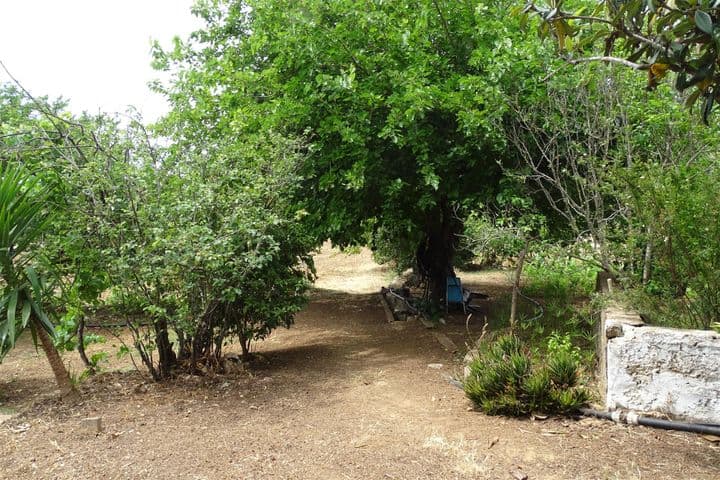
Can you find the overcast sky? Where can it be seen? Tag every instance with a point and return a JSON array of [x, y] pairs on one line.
[[95, 53]]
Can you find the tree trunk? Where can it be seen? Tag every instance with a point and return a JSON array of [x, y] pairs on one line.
[[437, 251], [516, 286], [184, 346], [244, 346], [167, 358], [647, 260], [62, 377], [81, 345]]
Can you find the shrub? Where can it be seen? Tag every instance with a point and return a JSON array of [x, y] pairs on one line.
[[395, 246], [505, 379], [487, 241], [554, 275], [680, 207]]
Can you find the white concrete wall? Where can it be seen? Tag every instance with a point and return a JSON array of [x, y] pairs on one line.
[[661, 370]]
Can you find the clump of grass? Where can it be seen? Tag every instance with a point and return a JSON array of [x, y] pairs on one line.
[[554, 276], [505, 379]]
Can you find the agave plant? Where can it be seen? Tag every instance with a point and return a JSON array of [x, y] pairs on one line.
[[507, 379], [23, 220]]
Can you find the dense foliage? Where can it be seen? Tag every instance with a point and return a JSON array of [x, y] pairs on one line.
[[23, 217], [659, 37], [607, 165], [399, 104], [194, 247], [682, 206], [433, 131], [23, 220]]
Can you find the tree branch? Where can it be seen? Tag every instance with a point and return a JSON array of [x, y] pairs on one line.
[[607, 59]]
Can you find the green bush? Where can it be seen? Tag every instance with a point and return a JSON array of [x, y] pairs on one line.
[[681, 207], [394, 245], [487, 242], [506, 379], [553, 275]]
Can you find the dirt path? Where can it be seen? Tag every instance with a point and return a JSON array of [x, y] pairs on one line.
[[343, 395]]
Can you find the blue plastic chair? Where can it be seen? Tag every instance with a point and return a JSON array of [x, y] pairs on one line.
[[454, 293]]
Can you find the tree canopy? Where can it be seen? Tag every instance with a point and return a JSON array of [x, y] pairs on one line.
[[400, 105]]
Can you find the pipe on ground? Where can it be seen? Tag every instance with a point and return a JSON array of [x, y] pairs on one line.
[[632, 418]]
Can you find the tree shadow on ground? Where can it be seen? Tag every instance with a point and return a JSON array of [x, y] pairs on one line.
[[336, 336]]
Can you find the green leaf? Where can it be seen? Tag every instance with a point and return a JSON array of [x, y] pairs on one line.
[[708, 102], [34, 282], [44, 321], [26, 309], [3, 335], [704, 22], [12, 306]]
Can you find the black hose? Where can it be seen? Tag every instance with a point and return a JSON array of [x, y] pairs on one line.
[[389, 291], [537, 304], [632, 418]]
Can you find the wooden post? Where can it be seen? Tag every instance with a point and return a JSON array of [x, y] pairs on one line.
[[516, 286]]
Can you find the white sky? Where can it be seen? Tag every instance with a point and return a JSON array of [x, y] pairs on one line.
[[95, 53]]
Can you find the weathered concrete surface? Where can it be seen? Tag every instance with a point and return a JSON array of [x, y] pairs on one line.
[[664, 370], [610, 314]]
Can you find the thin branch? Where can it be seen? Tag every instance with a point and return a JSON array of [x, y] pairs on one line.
[[40, 105], [607, 59], [583, 17], [644, 40]]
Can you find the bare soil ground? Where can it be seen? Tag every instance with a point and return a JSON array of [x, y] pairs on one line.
[[343, 394]]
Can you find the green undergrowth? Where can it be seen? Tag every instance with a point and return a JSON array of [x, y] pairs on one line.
[[510, 378], [553, 276], [564, 288], [665, 309]]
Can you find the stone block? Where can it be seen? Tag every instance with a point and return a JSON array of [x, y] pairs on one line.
[[91, 424], [663, 370]]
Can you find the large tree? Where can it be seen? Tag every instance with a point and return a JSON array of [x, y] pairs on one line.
[[400, 104]]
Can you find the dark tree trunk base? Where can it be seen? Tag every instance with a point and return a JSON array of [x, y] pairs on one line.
[[436, 252], [62, 377]]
